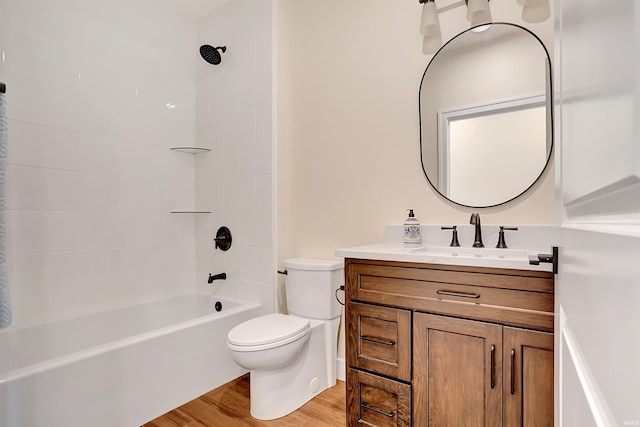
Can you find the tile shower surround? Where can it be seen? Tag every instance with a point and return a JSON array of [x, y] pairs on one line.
[[97, 95]]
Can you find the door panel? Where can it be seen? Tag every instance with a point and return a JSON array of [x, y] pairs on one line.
[[598, 284], [599, 293], [599, 122], [446, 361], [575, 405]]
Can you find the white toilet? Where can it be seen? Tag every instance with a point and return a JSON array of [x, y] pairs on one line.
[[292, 358]]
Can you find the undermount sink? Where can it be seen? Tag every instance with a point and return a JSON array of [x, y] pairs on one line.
[[466, 252]]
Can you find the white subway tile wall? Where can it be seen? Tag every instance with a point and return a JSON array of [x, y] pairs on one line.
[[97, 94], [234, 180]]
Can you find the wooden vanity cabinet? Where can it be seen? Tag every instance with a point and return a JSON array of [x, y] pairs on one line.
[[436, 345]]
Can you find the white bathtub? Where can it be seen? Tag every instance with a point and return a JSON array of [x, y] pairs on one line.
[[117, 368]]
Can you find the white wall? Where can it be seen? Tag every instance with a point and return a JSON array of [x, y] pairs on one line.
[[348, 132], [348, 155], [91, 179], [234, 180]]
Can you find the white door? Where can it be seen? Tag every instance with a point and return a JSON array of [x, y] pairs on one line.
[[598, 164]]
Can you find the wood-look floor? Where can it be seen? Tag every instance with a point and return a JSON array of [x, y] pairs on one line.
[[228, 406]]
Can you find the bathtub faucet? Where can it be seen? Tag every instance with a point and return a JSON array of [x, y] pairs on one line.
[[221, 276]]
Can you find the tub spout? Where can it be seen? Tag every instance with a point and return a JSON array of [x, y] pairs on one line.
[[221, 276]]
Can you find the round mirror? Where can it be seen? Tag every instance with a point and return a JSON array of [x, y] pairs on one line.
[[486, 124]]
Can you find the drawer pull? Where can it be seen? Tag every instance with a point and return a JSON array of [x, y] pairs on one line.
[[457, 294], [513, 371], [493, 366], [377, 341], [365, 405]]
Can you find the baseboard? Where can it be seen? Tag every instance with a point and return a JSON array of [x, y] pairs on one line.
[[341, 370]]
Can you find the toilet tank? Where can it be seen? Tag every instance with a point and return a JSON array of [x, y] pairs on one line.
[[311, 287]]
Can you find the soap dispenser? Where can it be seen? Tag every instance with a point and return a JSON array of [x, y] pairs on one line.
[[411, 231]]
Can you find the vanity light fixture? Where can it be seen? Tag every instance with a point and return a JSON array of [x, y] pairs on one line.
[[478, 14]]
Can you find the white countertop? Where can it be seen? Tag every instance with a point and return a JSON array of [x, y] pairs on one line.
[[386, 252], [439, 253]]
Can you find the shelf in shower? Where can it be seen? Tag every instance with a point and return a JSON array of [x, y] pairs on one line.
[[191, 150], [190, 212]]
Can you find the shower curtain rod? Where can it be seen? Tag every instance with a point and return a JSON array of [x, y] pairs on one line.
[[3, 87]]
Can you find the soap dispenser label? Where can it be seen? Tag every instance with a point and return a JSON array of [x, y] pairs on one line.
[[412, 235]]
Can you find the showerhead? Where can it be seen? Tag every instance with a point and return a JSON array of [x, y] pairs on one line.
[[211, 54]]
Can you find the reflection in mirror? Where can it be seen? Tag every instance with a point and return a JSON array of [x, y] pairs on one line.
[[485, 116]]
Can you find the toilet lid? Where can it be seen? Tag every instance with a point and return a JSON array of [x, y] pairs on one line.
[[267, 329]]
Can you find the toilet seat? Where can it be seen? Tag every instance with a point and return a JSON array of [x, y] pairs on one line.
[[265, 332]]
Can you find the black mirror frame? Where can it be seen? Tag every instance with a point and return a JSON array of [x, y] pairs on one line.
[[549, 102]]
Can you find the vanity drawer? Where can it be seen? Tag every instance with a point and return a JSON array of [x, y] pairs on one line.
[[517, 297], [379, 340], [377, 401]]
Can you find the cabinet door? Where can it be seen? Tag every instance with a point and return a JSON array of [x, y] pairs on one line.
[[528, 378], [377, 401], [457, 372]]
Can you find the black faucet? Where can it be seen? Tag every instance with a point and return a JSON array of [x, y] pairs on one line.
[[501, 242], [475, 220], [221, 276], [454, 237]]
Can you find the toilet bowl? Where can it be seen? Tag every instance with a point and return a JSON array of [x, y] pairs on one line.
[[292, 358], [268, 342]]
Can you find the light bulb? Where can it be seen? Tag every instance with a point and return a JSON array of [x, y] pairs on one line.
[[430, 44], [429, 23], [478, 12], [535, 11]]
